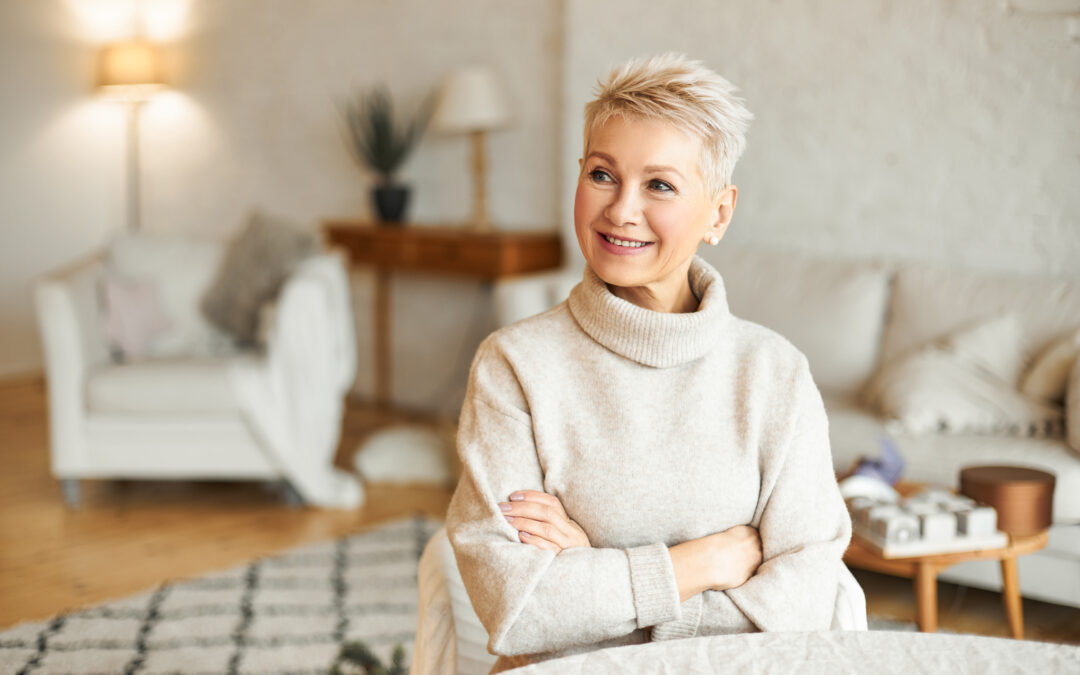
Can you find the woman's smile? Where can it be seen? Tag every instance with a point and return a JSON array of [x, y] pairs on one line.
[[620, 246]]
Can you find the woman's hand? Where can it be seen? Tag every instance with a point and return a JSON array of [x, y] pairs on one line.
[[716, 562], [541, 520], [737, 555]]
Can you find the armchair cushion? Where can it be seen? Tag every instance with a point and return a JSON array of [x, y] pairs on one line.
[[171, 386], [252, 270], [133, 316], [181, 267]]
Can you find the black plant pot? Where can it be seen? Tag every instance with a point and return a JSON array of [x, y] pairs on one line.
[[391, 201]]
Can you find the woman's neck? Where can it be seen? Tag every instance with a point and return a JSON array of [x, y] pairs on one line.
[[670, 296]]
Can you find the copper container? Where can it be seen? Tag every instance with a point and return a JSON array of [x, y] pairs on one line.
[[1022, 497]]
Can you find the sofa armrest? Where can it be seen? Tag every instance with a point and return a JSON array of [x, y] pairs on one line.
[[525, 296], [66, 303]]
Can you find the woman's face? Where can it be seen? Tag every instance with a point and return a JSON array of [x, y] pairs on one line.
[[640, 185]]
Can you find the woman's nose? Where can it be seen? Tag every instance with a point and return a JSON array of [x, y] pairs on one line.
[[624, 209]]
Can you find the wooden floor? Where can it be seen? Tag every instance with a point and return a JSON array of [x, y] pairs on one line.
[[130, 536]]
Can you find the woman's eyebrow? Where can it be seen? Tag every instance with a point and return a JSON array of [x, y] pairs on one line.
[[653, 168], [602, 155]]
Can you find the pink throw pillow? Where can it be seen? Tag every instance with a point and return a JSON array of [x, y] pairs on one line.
[[133, 316]]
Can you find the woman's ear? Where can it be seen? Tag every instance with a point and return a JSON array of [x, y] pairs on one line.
[[725, 208]]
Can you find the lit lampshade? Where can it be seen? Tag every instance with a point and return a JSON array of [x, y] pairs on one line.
[[130, 68], [472, 102]]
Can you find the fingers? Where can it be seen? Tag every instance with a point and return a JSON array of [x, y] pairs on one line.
[[534, 496], [536, 511], [539, 528], [539, 542], [538, 515]]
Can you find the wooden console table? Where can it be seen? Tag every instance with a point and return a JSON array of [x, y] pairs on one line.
[[446, 250]]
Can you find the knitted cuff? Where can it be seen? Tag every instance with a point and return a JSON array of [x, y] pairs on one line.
[[686, 627], [652, 578]]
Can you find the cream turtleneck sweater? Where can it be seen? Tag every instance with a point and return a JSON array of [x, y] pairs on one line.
[[652, 429]]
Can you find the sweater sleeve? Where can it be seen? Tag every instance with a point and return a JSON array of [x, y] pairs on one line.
[[531, 600], [804, 527]]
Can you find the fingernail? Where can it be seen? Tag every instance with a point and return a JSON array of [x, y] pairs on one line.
[[517, 497], [505, 507], [526, 535], [509, 519]]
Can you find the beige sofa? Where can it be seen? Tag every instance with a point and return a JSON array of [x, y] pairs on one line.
[[850, 316]]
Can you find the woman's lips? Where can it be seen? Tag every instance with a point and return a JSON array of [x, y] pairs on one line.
[[622, 250]]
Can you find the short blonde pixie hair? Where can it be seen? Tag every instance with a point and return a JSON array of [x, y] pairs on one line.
[[686, 94]]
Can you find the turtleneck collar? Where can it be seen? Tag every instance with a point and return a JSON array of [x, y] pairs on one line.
[[656, 339]]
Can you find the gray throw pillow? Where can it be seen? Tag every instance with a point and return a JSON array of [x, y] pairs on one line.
[[253, 268]]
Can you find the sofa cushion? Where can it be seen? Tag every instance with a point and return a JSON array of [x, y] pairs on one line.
[[965, 383], [180, 266], [181, 385], [832, 311], [931, 302], [854, 433], [1049, 371], [1072, 409]]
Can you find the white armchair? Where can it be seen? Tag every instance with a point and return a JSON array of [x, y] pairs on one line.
[[273, 414]]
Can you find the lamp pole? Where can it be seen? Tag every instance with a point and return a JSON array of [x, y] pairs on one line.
[[479, 170], [133, 170], [131, 71]]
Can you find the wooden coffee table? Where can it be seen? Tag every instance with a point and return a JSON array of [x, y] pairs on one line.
[[924, 569]]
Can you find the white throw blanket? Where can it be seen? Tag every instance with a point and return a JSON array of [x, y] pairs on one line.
[[824, 653], [293, 397]]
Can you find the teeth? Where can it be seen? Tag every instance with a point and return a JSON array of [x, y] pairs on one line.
[[628, 244]]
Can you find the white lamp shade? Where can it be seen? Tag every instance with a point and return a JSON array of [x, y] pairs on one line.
[[130, 67], [471, 100]]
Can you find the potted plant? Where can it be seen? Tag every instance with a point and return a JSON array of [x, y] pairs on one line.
[[382, 145]]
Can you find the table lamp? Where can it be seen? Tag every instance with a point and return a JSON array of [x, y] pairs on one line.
[[472, 102], [131, 72]]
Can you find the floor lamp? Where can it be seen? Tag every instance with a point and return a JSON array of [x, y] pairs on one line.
[[131, 72], [472, 102]]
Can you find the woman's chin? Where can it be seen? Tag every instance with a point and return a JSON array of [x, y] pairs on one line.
[[619, 274]]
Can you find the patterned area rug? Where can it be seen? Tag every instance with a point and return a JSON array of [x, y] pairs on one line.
[[289, 613], [284, 614]]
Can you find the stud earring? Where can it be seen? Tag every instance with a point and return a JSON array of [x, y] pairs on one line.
[[712, 240]]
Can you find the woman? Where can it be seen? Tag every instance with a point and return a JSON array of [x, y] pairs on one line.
[[638, 463]]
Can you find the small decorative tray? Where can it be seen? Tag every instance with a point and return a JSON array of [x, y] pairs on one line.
[[931, 522]]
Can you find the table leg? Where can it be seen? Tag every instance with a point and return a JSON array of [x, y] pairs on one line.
[[926, 597], [382, 338], [1010, 582]]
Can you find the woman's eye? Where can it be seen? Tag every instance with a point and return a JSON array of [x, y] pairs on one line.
[[660, 186], [600, 176]]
